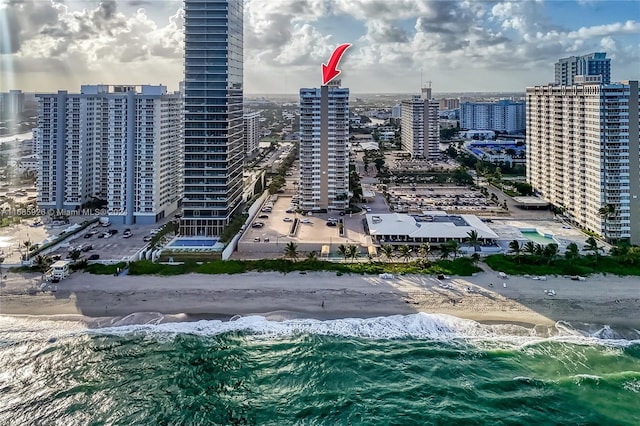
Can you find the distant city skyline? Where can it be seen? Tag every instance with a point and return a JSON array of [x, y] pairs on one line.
[[461, 46]]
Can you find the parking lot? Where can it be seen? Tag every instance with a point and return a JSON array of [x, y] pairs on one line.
[[311, 234], [115, 247], [451, 198]]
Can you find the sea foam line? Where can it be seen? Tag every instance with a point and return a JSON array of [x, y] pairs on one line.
[[438, 327]]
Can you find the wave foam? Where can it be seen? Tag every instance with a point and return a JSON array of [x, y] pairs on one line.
[[437, 327]]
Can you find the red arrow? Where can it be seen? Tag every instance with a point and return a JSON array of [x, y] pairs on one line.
[[330, 71]]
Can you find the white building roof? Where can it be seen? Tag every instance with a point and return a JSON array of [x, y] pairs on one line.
[[446, 226]]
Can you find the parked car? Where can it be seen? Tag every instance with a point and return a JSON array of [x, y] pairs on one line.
[[127, 235], [106, 235], [113, 231], [257, 225], [288, 219], [94, 257], [263, 216], [147, 238], [256, 239], [332, 219], [102, 235], [87, 248], [332, 224], [308, 221], [88, 235], [56, 257], [290, 210]]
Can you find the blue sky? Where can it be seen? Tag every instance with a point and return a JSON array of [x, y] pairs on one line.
[[458, 45]]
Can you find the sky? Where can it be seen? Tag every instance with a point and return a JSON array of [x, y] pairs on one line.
[[459, 46]]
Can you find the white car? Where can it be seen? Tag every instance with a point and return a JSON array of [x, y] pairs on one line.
[[306, 221], [332, 219], [288, 219]]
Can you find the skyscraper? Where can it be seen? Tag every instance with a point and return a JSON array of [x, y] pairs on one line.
[[324, 153], [213, 124], [583, 153], [505, 116], [566, 69], [421, 126], [113, 143], [251, 132]]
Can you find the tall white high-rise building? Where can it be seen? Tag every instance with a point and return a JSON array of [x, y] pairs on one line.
[[420, 123], [251, 132], [505, 116], [323, 150], [213, 108], [583, 153], [597, 63], [112, 143]]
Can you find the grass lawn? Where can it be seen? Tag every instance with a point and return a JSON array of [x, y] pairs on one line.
[[585, 265]]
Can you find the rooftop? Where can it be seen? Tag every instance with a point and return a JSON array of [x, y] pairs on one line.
[[429, 225]]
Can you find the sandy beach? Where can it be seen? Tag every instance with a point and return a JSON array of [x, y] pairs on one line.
[[323, 295]]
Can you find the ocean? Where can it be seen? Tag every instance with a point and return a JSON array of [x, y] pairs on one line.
[[400, 370]]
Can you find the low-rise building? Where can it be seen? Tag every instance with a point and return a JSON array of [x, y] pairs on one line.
[[434, 227]]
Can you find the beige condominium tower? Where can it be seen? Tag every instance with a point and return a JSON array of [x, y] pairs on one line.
[[583, 153], [324, 152]]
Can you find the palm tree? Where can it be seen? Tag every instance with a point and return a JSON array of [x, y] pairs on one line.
[[529, 248], [572, 252], [445, 251], [42, 262], [388, 251], [312, 256], [454, 247], [74, 254], [405, 252], [353, 251], [473, 239], [291, 251], [551, 252], [425, 250], [514, 247], [539, 250], [475, 258], [343, 251], [606, 212], [592, 246]]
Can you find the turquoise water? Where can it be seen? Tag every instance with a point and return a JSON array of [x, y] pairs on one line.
[[190, 242], [536, 237], [402, 370]]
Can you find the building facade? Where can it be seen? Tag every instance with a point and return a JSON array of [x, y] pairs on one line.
[[504, 116], [420, 126], [251, 132], [597, 63], [11, 103], [213, 110], [112, 143], [449, 103], [583, 154], [323, 150]]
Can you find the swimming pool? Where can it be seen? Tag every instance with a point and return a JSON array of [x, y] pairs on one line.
[[193, 242], [537, 237]]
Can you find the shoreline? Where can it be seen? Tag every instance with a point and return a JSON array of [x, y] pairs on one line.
[[98, 299]]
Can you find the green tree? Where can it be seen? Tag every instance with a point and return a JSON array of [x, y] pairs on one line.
[[74, 254], [473, 240], [405, 252], [454, 248], [529, 248], [343, 251], [388, 251], [353, 251], [592, 246], [425, 250], [312, 256], [606, 212], [572, 252], [445, 251], [514, 247], [291, 251], [551, 252]]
